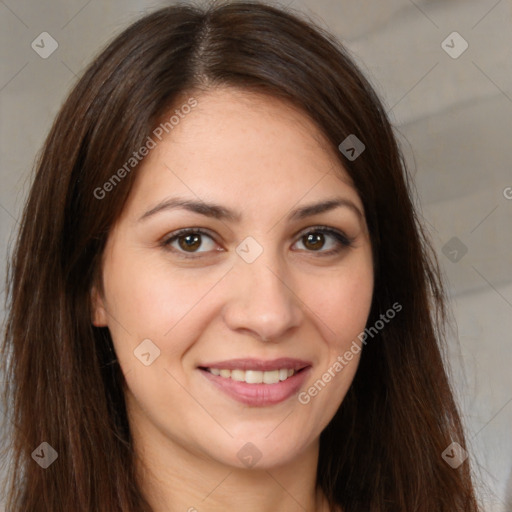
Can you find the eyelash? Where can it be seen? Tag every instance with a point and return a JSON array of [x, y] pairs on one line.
[[342, 240]]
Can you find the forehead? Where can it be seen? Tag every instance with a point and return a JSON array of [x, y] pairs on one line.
[[236, 122], [243, 145]]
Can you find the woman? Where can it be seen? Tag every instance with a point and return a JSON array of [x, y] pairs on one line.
[[221, 297]]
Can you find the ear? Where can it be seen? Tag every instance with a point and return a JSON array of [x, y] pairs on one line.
[[99, 313]]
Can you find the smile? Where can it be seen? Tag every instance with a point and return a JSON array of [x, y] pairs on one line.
[[255, 382]]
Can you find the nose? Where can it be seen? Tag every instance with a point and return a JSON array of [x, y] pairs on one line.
[[262, 299]]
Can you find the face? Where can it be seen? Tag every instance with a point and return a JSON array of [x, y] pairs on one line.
[[231, 332]]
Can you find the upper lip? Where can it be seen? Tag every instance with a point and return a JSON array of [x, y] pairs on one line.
[[259, 364]]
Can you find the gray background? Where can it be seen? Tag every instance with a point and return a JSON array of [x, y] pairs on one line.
[[454, 117]]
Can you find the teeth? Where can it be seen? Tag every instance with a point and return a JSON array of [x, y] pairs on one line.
[[270, 377], [238, 375], [254, 376]]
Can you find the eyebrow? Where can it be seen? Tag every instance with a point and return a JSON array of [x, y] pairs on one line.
[[222, 213]]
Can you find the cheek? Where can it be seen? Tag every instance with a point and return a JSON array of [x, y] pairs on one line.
[[150, 299], [342, 302], [341, 305]]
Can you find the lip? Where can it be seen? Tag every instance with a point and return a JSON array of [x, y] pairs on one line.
[[259, 395], [259, 364]]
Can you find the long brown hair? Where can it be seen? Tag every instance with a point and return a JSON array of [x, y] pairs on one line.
[[382, 450]]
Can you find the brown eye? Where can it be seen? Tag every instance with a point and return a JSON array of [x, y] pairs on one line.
[[189, 241], [314, 241], [319, 238]]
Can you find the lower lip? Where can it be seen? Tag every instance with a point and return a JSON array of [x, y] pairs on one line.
[[259, 395]]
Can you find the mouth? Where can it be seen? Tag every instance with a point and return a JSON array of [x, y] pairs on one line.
[[257, 382]]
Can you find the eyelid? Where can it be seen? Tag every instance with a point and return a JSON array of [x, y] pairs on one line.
[[171, 237], [343, 240], [335, 232]]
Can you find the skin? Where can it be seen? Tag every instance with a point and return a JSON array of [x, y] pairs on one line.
[[261, 158]]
